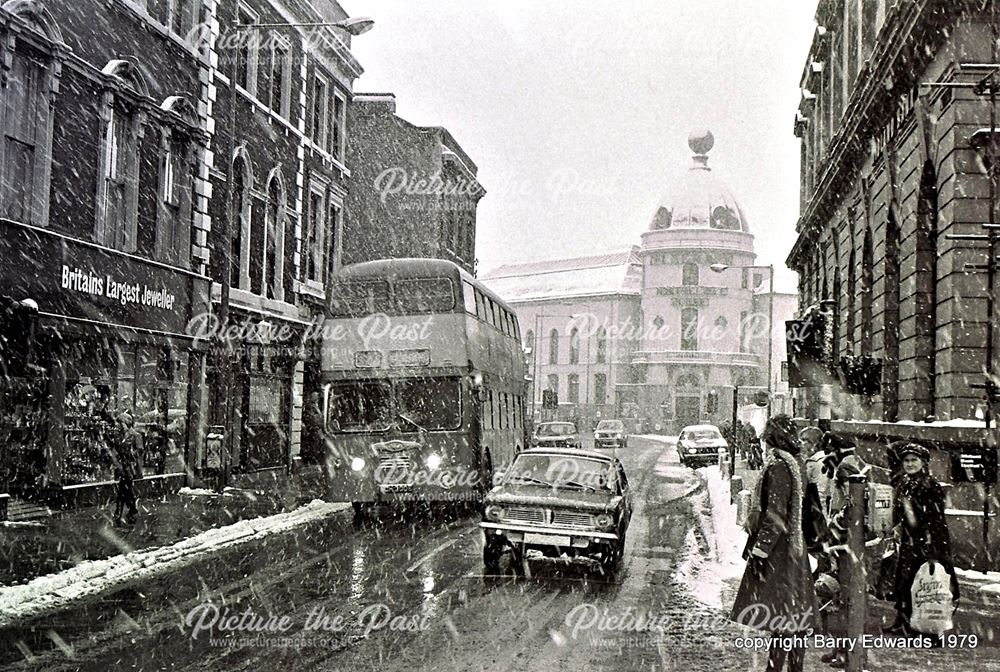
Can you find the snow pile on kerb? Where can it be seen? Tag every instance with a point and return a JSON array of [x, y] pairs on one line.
[[57, 591], [728, 537]]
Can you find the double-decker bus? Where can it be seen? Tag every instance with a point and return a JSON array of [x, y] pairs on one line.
[[424, 383]]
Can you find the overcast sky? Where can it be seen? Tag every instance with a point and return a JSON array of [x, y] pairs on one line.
[[578, 112]]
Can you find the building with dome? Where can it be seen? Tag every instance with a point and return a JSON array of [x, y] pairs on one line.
[[672, 326]]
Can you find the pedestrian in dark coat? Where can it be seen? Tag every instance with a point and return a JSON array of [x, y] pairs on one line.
[[918, 512], [776, 593], [122, 443]]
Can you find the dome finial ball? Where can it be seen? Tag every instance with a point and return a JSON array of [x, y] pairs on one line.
[[701, 141]]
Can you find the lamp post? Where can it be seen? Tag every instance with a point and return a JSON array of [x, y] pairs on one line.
[[719, 268], [352, 25]]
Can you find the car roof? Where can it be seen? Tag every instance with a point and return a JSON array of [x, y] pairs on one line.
[[611, 420], [559, 422], [574, 452], [698, 427]]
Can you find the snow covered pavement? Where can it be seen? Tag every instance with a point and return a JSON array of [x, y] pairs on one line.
[[57, 591]]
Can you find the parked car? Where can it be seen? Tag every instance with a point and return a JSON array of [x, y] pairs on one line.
[[556, 435], [610, 433], [562, 502], [699, 445]]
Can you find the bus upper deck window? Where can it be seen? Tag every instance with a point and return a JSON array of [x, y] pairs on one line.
[[469, 294]]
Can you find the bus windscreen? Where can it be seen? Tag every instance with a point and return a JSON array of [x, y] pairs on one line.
[[428, 403], [360, 406], [432, 403]]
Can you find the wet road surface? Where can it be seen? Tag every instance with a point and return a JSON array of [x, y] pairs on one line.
[[405, 595]]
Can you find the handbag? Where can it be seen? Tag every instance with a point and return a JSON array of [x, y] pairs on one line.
[[932, 600]]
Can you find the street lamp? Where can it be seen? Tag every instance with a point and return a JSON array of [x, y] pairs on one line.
[[719, 268], [353, 26]]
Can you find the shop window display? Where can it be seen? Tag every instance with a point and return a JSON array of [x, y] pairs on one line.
[[148, 381]]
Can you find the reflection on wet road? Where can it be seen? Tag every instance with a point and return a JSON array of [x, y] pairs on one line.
[[404, 593]]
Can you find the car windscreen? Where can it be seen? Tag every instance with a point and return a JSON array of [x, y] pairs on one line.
[[568, 471], [556, 430], [610, 424], [702, 434]]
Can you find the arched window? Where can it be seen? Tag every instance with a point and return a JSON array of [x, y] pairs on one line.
[[274, 234], [529, 340], [689, 275], [867, 287], [602, 345], [600, 388], [925, 296], [573, 388], [574, 346], [689, 329], [122, 117], [688, 381], [554, 346], [852, 284], [890, 328], [31, 75], [239, 269]]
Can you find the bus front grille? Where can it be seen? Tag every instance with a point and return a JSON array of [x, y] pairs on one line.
[[391, 468]]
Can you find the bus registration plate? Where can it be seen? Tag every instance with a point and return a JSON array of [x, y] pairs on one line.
[[546, 539], [395, 487]]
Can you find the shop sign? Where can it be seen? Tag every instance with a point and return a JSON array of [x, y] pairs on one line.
[[76, 279]]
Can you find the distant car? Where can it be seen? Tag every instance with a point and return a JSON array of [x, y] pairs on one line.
[[699, 445], [575, 503], [556, 435], [610, 433]]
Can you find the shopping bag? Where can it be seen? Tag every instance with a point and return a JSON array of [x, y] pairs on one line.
[[932, 600]]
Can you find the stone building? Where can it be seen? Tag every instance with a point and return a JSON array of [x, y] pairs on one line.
[[892, 128], [280, 157], [128, 127], [687, 315], [103, 243], [579, 318], [413, 190]]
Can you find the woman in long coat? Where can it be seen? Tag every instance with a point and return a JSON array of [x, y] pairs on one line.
[[918, 512], [777, 593]]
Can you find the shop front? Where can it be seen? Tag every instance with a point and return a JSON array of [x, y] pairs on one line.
[[262, 393], [110, 335]]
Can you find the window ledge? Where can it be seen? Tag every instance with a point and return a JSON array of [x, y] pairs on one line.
[[312, 288]]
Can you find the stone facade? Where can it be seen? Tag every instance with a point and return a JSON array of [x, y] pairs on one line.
[[413, 189]]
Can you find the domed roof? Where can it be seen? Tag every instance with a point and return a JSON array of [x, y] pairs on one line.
[[700, 200]]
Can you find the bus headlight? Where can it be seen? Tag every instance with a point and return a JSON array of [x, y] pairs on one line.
[[494, 513], [433, 461], [605, 521], [357, 464]]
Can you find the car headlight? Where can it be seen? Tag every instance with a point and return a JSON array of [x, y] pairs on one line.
[[596, 436], [692, 450], [357, 464], [605, 521], [494, 513], [433, 461]]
